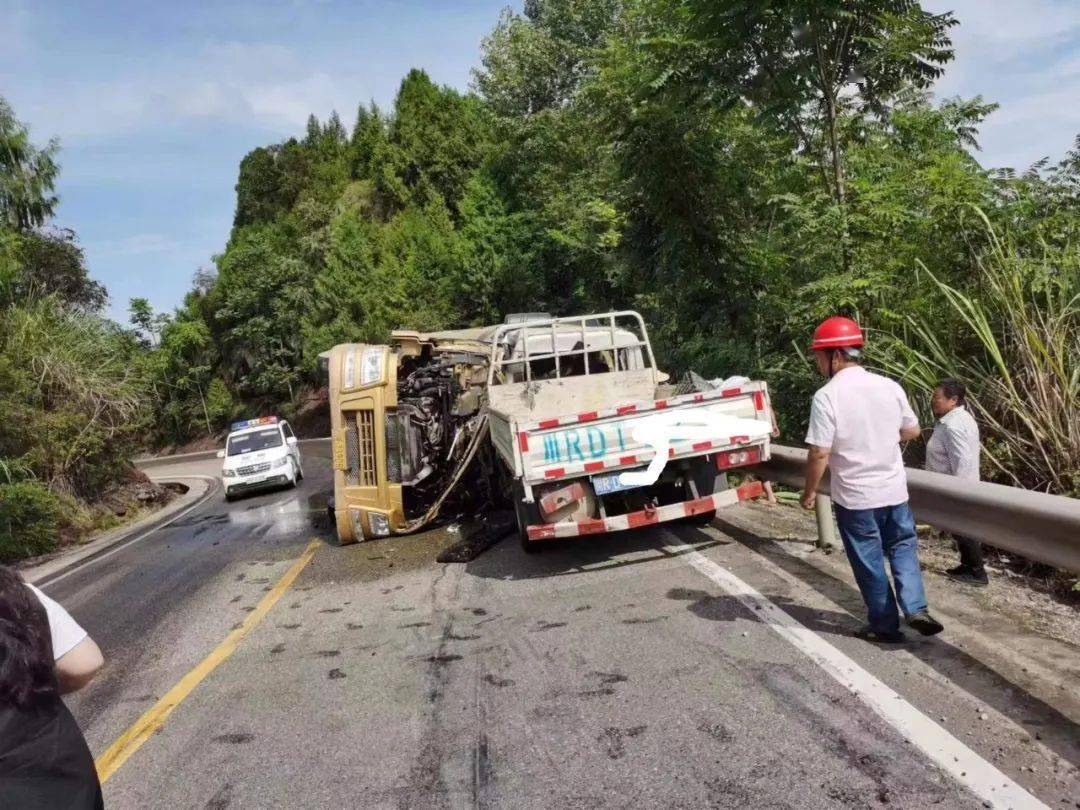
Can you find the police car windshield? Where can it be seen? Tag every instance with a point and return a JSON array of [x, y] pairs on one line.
[[254, 441]]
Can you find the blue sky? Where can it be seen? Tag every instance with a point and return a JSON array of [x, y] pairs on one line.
[[155, 103]]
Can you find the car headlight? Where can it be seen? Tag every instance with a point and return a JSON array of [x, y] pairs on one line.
[[380, 524], [349, 374], [228, 473], [281, 462], [371, 365]]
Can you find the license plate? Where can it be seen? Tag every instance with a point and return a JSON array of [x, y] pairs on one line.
[[606, 484]]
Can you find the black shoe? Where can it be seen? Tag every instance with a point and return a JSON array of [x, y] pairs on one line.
[[969, 577], [925, 623], [874, 637], [960, 569]]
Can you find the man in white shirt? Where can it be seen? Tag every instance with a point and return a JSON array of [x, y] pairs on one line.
[[856, 423], [953, 449]]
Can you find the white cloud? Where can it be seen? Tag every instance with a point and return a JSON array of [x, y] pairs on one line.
[[291, 102], [1024, 55], [261, 85]]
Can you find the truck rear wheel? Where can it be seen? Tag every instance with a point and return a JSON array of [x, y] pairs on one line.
[[702, 518], [528, 514], [708, 481]]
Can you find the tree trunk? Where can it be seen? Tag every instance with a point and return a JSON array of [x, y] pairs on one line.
[[839, 189], [206, 413]]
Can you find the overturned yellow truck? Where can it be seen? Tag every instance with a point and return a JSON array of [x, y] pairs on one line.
[[566, 420]]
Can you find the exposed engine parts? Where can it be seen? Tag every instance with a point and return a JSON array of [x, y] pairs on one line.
[[430, 433]]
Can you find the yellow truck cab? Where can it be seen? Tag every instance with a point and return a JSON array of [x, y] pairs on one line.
[[381, 441]]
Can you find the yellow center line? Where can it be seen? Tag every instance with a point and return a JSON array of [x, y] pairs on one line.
[[140, 731]]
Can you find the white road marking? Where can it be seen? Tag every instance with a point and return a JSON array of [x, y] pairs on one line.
[[951, 755]]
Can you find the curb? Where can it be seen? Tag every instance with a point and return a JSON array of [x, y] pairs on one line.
[[149, 462], [200, 489], [161, 461]]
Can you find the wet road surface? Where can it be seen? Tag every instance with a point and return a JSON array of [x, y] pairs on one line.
[[613, 672]]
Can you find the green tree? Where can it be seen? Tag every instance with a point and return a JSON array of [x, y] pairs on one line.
[[52, 263], [258, 304], [537, 60], [27, 174], [368, 140], [437, 138]]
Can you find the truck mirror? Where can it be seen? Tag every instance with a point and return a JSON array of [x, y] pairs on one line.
[[221, 454], [291, 441]]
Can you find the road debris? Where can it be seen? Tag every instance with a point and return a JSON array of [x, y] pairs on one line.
[[479, 537]]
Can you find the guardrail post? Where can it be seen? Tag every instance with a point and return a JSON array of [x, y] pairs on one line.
[[825, 529]]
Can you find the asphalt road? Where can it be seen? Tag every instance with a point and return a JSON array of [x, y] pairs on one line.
[[671, 667]]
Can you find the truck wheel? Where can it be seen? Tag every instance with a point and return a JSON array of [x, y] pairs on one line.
[[528, 514], [702, 518], [709, 481]]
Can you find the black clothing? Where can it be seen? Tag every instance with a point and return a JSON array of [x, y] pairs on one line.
[[971, 556], [45, 762]]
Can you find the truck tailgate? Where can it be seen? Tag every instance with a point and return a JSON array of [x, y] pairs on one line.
[[597, 441]]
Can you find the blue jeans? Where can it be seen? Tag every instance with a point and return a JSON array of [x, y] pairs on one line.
[[871, 535]]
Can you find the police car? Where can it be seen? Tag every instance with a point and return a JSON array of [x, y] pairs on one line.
[[259, 454]]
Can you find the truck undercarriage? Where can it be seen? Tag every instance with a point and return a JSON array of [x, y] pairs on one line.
[[429, 434]]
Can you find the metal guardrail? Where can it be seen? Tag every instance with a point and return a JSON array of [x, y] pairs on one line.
[[1040, 527], [203, 455]]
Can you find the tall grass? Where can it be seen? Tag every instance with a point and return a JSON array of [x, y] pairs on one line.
[[1014, 340], [70, 394]]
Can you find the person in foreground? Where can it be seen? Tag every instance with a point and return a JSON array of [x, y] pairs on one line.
[[953, 449], [44, 759], [857, 421]]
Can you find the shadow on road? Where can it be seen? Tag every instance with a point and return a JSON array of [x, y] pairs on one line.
[[725, 608], [508, 561], [1055, 730]]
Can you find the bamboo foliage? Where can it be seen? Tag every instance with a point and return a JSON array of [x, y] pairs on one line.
[[1015, 342]]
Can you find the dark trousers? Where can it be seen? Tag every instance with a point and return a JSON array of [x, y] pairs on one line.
[[971, 556]]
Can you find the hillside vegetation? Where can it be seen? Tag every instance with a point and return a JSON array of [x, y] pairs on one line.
[[734, 171], [71, 389]]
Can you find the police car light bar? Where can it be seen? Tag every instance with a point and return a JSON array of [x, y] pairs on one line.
[[262, 420]]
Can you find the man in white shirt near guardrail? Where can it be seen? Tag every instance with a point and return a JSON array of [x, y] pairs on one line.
[[953, 449], [857, 421]]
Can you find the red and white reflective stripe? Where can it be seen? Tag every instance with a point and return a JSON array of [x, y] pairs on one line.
[[561, 497], [634, 407], [633, 520], [644, 457]]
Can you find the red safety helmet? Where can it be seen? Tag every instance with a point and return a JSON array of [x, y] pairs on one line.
[[837, 332]]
